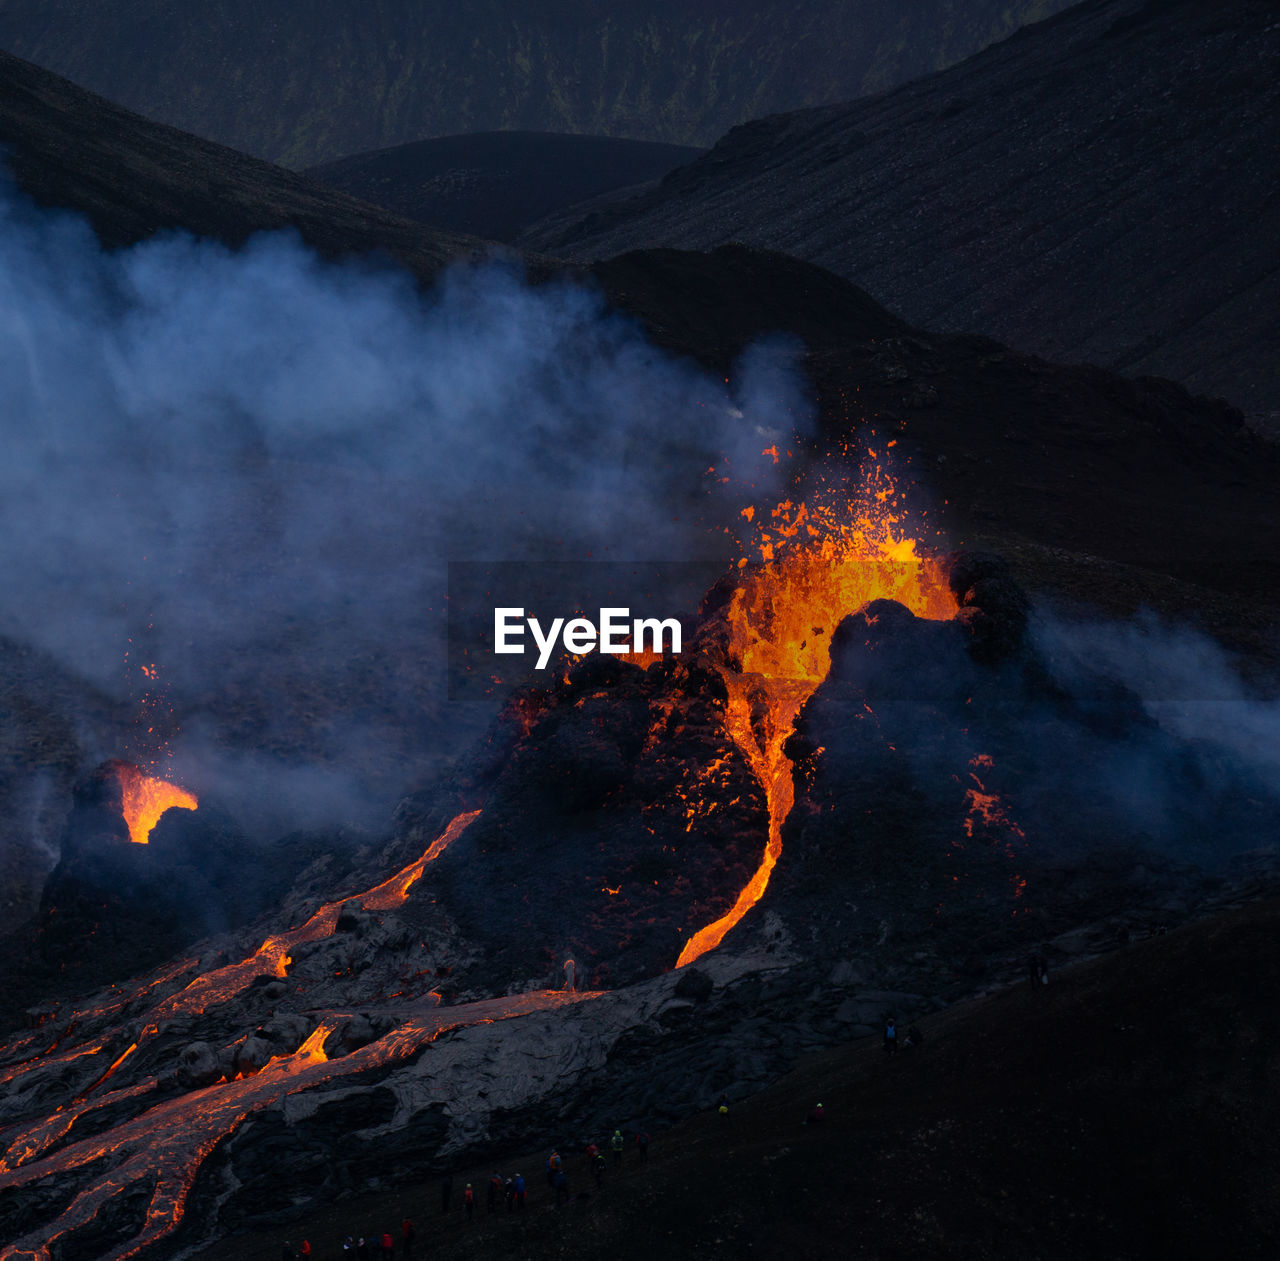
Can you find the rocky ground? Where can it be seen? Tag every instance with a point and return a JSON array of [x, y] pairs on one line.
[[1030, 1123]]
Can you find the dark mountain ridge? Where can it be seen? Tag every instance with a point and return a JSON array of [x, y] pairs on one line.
[[495, 184], [315, 80], [132, 178], [1096, 188]]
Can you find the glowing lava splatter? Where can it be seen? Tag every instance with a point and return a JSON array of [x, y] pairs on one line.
[[820, 560], [144, 798]]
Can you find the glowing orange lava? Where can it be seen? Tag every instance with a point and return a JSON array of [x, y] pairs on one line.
[[393, 892], [167, 1143], [143, 799], [165, 1146], [820, 560]]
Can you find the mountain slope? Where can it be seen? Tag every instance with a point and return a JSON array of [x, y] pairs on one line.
[[1098, 188], [66, 147], [1168, 481], [1028, 1124], [315, 80], [495, 184]]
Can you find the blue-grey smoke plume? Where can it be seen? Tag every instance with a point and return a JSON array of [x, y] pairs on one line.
[[250, 467], [1211, 743]]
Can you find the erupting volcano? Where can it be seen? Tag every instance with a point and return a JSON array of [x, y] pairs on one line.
[[144, 798], [820, 559], [844, 667]]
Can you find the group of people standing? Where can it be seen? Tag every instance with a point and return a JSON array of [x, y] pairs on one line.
[[373, 1247], [597, 1165], [913, 1037], [509, 1194]]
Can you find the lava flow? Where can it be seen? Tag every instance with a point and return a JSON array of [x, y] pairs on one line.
[[819, 561], [162, 1147], [144, 798]]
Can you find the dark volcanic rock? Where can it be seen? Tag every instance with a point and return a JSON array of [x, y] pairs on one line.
[[198, 1065], [695, 985], [618, 821], [993, 607], [138, 904], [968, 806]]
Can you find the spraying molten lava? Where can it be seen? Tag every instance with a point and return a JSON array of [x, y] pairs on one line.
[[144, 798], [820, 560]]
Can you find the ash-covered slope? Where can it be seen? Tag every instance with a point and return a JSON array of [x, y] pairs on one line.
[[495, 184], [132, 178], [1097, 188], [1027, 1124], [312, 80]]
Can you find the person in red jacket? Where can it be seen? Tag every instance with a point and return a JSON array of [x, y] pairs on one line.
[[469, 1201], [305, 1250], [407, 1236], [388, 1245]]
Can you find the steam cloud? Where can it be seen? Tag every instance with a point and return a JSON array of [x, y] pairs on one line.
[[1212, 737], [251, 467]]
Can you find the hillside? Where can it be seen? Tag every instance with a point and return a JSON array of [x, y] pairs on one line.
[[1097, 188], [496, 184], [1168, 481], [132, 178], [1028, 1124], [316, 80]]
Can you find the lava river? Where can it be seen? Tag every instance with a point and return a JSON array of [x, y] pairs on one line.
[[819, 560], [163, 1147]]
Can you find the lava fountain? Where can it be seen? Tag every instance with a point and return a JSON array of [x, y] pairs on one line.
[[819, 560], [144, 798]]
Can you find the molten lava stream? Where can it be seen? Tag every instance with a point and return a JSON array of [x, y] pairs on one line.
[[820, 564], [143, 799], [168, 1143], [393, 892], [273, 956], [772, 768], [205, 991]]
